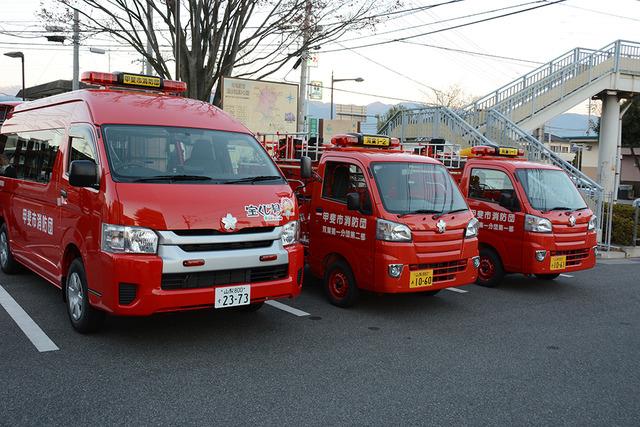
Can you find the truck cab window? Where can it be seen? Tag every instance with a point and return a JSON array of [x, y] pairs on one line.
[[490, 185], [342, 179]]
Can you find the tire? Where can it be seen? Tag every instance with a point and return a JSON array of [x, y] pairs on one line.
[[490, 271], [7, 263], [431, 293], [547, 276], [84, 318], [340, 285], [251, 308]]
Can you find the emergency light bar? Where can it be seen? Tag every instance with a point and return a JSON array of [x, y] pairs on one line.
[[138, 81], [358, 139], [486, 150]]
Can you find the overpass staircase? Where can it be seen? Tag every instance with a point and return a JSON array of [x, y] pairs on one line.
[[508, 115]]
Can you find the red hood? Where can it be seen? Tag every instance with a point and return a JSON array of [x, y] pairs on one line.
[[425, 222], [202, 206]]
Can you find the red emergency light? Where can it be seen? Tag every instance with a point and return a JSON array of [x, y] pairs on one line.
[[138, 81], [486, 150]]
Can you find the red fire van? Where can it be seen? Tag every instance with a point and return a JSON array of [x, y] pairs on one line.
[[134, 201]]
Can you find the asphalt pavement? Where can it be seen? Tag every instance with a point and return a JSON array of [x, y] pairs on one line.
[[531, 352]]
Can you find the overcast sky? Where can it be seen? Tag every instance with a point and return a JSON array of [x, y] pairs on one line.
[[396, 70]]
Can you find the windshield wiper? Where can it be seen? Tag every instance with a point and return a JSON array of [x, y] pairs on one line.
[[418, 211], [172, 178], [448, 212], [254, 179], [559, 208]]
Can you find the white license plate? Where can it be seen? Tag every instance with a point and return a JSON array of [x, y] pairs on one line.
[[233, 296]]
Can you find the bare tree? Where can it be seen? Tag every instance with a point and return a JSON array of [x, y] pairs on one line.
[[216, 38], [453, 97]]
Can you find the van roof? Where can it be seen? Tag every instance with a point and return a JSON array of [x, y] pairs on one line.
[[114, 106], [373, 155]]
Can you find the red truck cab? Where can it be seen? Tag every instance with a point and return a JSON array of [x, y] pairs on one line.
[[533, 219], [135, 201], [382, 220]]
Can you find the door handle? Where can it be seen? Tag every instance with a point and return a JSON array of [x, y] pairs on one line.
[[63, 193]]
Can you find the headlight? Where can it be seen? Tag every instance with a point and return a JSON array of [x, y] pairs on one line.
[[537, 224], [472, 228], [392, 231], [592, 222], [124, 239], [290, 233]]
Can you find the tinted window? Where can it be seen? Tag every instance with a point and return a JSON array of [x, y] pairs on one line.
[[161, 154], [549, 189], [30, 155]]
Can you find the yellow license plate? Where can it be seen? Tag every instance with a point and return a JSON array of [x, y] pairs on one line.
[[508, 151], [132, 79], [378, 141], [558, 262], [421, 278]]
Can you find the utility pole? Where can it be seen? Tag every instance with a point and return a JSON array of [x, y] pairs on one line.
[[75, 84], [147, 70], [178, 34], [304, 70]]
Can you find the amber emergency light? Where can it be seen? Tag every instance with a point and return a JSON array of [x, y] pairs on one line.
[[362, 141], [486, 150], [138, 81]]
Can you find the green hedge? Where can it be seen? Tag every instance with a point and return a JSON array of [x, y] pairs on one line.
[[622, 224]]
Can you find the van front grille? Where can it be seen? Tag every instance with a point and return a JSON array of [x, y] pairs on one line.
[[209, 279]]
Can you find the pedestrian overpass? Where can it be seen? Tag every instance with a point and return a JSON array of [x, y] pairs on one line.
[[510, 114]]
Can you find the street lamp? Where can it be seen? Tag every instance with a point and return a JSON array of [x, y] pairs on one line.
[[21, 56], [357, 79]]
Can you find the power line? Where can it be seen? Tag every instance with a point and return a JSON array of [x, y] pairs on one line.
[[469, 52], [602, 13], [446, 29]]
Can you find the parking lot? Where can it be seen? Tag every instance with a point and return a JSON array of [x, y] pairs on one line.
[[529, 352]]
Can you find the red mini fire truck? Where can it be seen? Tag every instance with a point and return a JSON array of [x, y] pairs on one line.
[[532, 218], [134, 201], [379, 219]]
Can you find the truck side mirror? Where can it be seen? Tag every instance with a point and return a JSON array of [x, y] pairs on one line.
[[83, 173], [353, 201], [305, 167]]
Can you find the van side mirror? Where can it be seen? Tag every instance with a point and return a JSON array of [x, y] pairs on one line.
[[305, 167], [83, 173], [353, 201]]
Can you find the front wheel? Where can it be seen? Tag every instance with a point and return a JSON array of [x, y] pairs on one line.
[[84, 318], [547, 276], [490, 270], [340, 285]]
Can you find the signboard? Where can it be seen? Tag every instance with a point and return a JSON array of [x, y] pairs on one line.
[[312, 60], [315, 90], [334, 127], [262, 106], [313, 126], [351, 112]]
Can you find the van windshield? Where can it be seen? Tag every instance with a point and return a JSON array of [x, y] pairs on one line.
[[158, 154], [416, 188], [549, 190]]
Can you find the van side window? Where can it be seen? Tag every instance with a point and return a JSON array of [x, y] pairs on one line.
[[341, 179], [490, 185], [30, 155], [82, 147]]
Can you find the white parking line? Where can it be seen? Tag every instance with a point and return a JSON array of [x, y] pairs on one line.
[[29, 327], [460, 291], [566, 275], [284, 307]]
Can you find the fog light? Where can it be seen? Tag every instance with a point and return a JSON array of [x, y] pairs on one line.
[[540, 255], [395, 270], [476, 261], [595, 250]]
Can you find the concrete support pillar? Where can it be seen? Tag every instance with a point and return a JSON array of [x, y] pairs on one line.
[[608, 143]]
